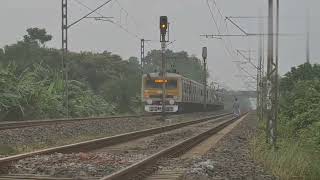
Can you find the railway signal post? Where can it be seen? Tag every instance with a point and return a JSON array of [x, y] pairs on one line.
[[163, 33], [204, 56]]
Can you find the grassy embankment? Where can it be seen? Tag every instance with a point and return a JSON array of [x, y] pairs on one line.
[[297, 155], [293, 158]]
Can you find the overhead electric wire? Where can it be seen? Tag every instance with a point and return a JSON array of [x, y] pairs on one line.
[[215, 22], [232, 53], [116, 24], [227, 29], [250, 75], [92, 11], [128, 15], [212, 16]]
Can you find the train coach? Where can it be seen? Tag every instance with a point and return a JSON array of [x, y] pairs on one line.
[[182, 94]]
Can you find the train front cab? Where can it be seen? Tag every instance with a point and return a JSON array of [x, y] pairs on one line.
[[152, 94]]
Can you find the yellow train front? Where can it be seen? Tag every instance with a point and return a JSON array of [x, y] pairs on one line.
[[182, 94]]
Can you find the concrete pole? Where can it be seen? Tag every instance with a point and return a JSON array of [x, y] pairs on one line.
[[204, 56], [163, 74]]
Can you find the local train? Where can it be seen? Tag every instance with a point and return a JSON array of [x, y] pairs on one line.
[[182, 94]]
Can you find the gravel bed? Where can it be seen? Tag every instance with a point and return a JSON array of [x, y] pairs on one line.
[[167, 139], [30, 138], [74, 165], [231, 159], [103, 161], [93, 164]]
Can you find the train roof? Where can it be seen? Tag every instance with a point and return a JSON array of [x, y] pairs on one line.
[[171, 75], [158, 74]]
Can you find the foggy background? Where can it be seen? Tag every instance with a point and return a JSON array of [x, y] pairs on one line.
[[188, 19]]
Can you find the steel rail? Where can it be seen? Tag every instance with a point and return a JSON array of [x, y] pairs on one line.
[[107, 141], [33, 123], [35, 177], [136, 170]]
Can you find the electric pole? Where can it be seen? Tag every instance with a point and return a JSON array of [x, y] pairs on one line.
[[308, 38], [143, 61], [65, 27], [276, 80], [142, 55], [163, 32], [269, 66], [259, 82], [272, 76], [260, 85], [204, 56], [65, 52]]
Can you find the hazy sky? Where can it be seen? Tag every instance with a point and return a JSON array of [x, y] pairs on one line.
[[188, 18]]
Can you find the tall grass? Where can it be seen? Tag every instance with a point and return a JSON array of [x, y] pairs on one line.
[[293, 159]]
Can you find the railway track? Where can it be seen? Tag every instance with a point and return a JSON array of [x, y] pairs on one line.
[[37, 177], [34, 123], [145, 167], [23, 124], [107, 141]]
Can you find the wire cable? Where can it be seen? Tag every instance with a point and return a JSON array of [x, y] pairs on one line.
[[110, 21], [229, 50], [128, 15], [213, 18]]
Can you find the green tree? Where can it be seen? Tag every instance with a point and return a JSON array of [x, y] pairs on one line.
[[1, 56], [32, 84], [300, 103], [37, 35], [27, 52], [180, 62], [302, 72]]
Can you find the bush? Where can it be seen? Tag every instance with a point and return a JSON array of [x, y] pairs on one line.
[[299, 127]]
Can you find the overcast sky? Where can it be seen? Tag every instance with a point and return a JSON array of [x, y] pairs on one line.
[[188, 18]]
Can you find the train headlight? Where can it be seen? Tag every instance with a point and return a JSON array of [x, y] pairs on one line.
[[171, 102], [149, 101]]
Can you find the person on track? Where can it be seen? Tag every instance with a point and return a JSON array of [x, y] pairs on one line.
[[236, 107]]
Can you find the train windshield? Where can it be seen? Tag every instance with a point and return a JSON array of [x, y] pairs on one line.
[[171, 84]]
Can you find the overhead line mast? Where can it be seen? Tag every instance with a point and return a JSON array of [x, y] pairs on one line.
[[272, 76], [65, 27], [308, 38], [65, 51], [272, 87]]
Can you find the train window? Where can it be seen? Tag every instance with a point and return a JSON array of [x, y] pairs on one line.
[[171, 84], [151, 84]]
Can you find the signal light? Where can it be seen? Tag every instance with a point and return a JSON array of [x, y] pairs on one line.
[[163, 24], [204, 52]]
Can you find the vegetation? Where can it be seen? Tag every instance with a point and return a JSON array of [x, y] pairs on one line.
[[32, 84], [180, 62], [299, 126]]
